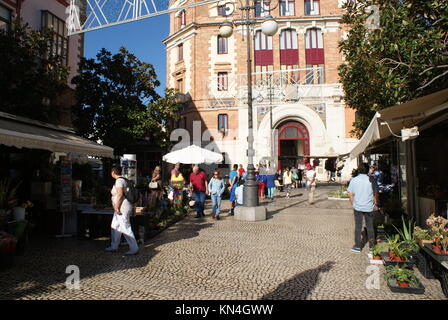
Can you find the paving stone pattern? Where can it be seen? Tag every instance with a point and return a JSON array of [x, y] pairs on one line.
[[301, 251]]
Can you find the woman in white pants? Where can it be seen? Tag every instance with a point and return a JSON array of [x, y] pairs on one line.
[[121, 222]]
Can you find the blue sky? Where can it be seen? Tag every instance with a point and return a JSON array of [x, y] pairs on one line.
[[142, 38]]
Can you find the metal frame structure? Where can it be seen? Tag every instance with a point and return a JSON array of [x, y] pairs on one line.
[[89, 15]]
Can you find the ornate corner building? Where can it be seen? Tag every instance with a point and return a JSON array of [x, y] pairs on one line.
[[298, 103]]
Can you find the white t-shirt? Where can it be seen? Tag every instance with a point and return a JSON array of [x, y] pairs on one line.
[[239, 194], [310, 174], [126, 206]]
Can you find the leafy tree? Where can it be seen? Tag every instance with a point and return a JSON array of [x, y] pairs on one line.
[[405, 58], [30, 80], [117, 101]]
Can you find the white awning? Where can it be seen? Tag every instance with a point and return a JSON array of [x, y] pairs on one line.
[[391, 120], [25, 133]]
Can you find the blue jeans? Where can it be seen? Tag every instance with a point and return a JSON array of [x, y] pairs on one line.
[[199, 198], [216, 204]]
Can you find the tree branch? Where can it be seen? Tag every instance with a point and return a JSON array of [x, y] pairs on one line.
[[440, 75]]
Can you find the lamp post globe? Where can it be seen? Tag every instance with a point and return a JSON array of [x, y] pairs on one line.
[[226, 29], [269, 27]]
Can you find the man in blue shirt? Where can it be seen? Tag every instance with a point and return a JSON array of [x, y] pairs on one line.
[[364, 198]]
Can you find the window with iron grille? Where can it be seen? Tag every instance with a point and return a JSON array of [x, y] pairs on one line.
[[312, 7], [223, 81], [5, 18], [287, 8], [59, 43], [222, 45], [223, 123]]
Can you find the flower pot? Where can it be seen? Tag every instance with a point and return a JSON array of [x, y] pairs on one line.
[[376, 257], [437, 249], [402, 284], [19, 213]]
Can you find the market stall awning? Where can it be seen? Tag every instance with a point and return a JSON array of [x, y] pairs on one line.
[[193, 155], [391, 120], [26, 133]]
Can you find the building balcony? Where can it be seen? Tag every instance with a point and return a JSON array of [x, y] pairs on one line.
[[277, 87]]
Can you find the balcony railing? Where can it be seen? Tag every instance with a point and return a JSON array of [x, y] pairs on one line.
[[278, 87]]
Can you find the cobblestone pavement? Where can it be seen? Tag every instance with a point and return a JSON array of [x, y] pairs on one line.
[[300, 252]]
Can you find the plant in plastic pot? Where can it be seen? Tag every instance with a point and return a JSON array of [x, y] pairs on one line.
[[376, 251], [403, 276]]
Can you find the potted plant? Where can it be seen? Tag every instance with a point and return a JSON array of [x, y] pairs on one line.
[[7, 249], [19, 212], [399, 252], [439, 229], [422, 236], [403, 280], [8, 194], [376, 251]]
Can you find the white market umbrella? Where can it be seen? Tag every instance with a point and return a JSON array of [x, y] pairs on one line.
[[193, 155]]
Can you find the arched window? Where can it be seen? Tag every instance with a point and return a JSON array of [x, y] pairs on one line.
[[262, 42], [313, 39], [288, 39]]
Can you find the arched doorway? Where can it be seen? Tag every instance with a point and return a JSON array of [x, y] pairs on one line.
[[293, 143]]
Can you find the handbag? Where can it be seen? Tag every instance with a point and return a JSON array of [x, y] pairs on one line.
[[153, 185]]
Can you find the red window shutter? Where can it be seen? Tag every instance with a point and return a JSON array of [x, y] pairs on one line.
[[264, 58], [289, 57], [315, 56]]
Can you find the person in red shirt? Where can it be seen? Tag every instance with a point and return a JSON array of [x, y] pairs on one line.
[[241, 171], [199, 187]]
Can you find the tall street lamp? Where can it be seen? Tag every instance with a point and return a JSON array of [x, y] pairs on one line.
[[251, 210]]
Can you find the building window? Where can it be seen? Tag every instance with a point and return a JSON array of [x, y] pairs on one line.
[[288, 39], [223, 81], [5, 18], [222, 45], [182, 19], [286, 7], [262, 42], [223, 123], [180, 52], [312, 7], [261, 8], [313, 39], [315, 74], [59, 43], [180, 85], [222, 12]]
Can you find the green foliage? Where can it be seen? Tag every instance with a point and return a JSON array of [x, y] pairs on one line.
[[28, 76], [405, 58], [8, 192], [421, 234], [341, 193], [377, 249], [117, 101], [402, 274], [407, 236]]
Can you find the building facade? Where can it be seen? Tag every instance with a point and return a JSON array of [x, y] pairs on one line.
[[298, 105], [41, 14]]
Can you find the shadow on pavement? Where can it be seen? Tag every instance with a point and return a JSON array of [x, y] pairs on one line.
[[300, 286], [42, 270]]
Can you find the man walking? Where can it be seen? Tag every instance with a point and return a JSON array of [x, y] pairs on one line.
[[363, 197], [198, 184]]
